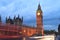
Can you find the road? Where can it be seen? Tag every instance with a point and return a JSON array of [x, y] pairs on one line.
[[24, 38]]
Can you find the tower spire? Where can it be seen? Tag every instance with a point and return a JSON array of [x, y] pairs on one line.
[[14, 17], [22, 19], [9, 17], [18, 15], [39, 7], [6, 19]]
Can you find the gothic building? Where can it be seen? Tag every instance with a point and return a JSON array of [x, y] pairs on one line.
[[18, 26], [15, 20]]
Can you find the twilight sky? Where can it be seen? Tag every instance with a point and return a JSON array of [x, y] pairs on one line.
[[27, 9]]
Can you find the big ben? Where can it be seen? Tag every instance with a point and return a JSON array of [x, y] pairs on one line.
[[39, 20]]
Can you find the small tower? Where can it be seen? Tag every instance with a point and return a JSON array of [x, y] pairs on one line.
[[9, 20], [14, 17], [6, 19], [14, 20], [18, 21], [18, 15], [22, 20], [0, 19], [39, 20]]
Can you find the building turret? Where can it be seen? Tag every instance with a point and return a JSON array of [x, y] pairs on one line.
[[14, 20], [0, 19], [18, 15], [22, 20], [18, 20], [9, 20], [14, 17], [6, 19]]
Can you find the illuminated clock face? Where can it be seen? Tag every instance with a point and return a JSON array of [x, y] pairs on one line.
[[38, 13]]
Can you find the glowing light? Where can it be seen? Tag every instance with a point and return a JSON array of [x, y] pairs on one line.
[[24, 30], [46, 37], [38, 14], [20, 32]]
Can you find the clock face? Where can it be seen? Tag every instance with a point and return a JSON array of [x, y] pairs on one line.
[[38, 13]]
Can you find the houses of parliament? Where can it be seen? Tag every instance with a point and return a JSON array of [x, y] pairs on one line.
[[15, 26]]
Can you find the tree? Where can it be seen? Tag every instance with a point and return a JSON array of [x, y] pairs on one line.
[[49, 31]]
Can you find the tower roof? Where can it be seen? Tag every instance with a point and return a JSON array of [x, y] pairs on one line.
[[39, 7]]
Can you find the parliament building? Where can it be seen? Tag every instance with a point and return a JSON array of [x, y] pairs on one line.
[[15, 26]]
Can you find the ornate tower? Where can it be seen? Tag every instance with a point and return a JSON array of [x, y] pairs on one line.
[[39, 19]]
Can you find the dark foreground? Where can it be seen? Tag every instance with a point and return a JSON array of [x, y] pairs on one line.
[[18, 39]]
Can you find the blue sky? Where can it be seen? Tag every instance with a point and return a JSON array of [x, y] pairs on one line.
[[27, 9]]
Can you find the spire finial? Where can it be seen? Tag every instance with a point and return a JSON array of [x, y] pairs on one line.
[[6, 18], [22, 18], [14, 16], [9, 17], [18, 15]]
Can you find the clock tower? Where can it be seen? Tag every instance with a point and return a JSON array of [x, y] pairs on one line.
[[39, 20]]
